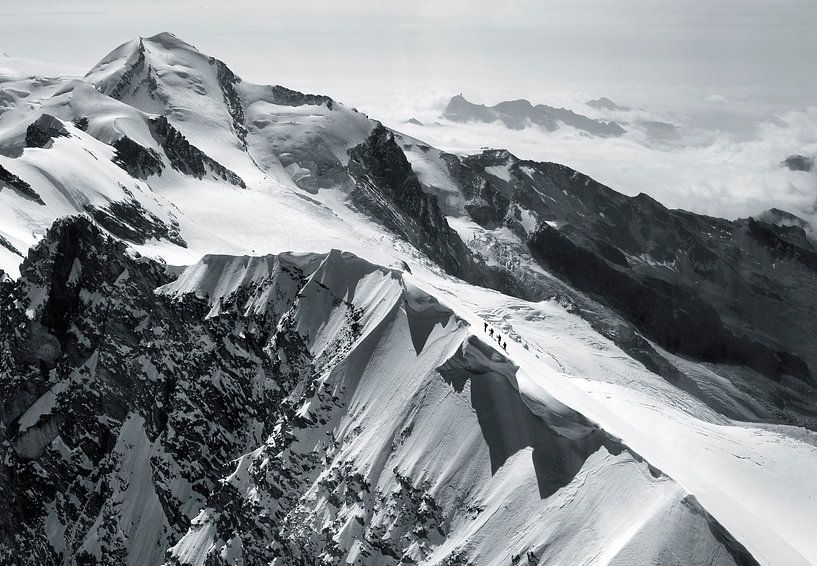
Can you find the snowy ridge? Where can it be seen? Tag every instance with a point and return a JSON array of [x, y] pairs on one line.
[[281, 401], [449, 393]]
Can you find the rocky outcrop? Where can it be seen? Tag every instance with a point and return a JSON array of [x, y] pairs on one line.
[[130, 221], [673, 315], [139, 161], [227, 81], [697, 286], [9, 246], [135, 67], [387, 188], [799, 162], [288, 97], [187, 158], [41, 132], [9, 179]]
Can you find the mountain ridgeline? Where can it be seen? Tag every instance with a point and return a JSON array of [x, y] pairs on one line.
[[518, 114], [246, 325]]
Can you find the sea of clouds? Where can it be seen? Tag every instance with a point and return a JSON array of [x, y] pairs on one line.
[[722, 157]]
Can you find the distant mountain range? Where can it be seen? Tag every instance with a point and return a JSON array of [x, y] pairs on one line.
[[519, 114], [241, 324]]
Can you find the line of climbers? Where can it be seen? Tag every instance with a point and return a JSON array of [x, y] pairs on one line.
[[498, 336]]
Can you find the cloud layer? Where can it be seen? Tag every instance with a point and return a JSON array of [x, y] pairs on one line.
[[709, 169]]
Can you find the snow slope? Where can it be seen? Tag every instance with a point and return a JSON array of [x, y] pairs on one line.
[[406, 431], [433, 415]]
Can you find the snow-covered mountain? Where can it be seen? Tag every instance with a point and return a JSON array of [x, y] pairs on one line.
[[246, 325]]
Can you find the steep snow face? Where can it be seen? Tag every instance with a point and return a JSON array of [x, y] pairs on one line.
[[159, 124], [279, 388], [739, 471], [358, 406], [268, 283], [246, 125], [308, 135], [164, 75]]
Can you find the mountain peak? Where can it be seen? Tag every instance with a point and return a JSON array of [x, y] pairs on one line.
[[522, 113], [158, 51], [167, 39]]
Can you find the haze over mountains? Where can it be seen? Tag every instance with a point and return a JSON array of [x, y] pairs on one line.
[[737, 156], [517, 114], [245, 324]]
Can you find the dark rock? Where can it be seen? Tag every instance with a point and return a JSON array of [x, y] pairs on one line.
[[288, 97], [135, 67], [798, 162], [187, 158], [8, 179], [227, 81], [41, 132], [8, 245], [130, 221], [672, 315], [140, 162], [81, 123], [387, 188]]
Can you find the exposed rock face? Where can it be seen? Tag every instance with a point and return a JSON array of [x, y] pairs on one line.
[[130, 221], [288, 97], [106, 352], [8, 179], [697, 286], [227, 80], [41, 132], [387, 187], [135, 67], [8, 245], [141, 162], [213, 418], [673, 315], [81, 123], [518, 114], [187, 158]]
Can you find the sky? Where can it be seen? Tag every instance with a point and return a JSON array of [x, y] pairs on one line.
[[717, 44], [738, 75]]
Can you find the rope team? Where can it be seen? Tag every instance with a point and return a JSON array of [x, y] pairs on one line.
[[498, 336]]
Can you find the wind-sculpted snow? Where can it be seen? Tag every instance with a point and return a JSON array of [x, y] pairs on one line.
[[702, 287], [169, 430], [561, 440], [509, 363]]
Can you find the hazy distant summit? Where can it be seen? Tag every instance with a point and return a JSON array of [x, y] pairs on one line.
[[519, 114], [797, 162], [605, 103]]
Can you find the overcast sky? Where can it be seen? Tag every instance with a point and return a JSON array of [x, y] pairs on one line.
[[765, 47]]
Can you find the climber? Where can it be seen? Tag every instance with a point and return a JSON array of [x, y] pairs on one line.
[[505, 346], [485, 327], [491, 332]]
